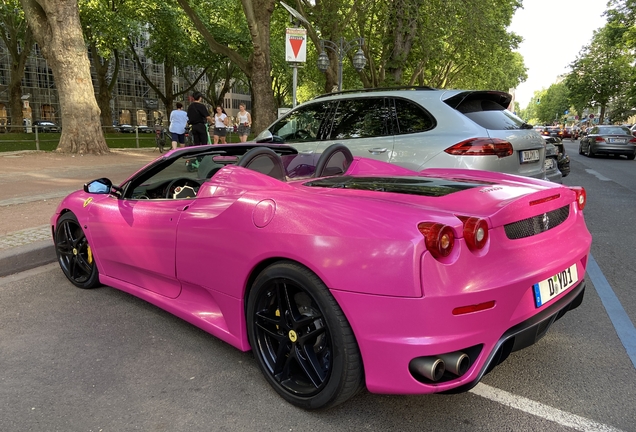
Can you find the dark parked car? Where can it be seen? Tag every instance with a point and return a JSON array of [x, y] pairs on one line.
[[46, 126], [563, 160], [607, 139], [125, 128]]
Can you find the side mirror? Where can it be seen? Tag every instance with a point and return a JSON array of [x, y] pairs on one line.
[[267, 137], [99, 186]]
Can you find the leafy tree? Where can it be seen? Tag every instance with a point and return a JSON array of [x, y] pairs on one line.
[[18, 39], [106, 25], [553, 104], [171, 42], [601, 72], [256, 63], [57, 29]]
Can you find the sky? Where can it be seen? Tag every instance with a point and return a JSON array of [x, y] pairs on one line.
[[553, 31]]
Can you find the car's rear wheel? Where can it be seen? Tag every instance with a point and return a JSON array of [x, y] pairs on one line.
[[301, 339], [580, 148], [631, 156], [74, 253]]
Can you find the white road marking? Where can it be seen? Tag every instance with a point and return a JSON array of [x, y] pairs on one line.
[[540, 410], [598, 175]]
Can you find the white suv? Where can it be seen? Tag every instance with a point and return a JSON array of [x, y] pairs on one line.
[[418, 128]]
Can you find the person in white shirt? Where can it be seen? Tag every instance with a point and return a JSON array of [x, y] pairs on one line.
[[178, 120], [245, 123], [221, 121]]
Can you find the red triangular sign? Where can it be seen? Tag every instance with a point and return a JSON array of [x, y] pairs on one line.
[[296, 44]]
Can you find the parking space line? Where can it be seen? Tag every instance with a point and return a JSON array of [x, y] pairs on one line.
[[620, 320], [540, 410]]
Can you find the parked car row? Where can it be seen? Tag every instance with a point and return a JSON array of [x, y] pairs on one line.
[[46, 126], [126, 128]]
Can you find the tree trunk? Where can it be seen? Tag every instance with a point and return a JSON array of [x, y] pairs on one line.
[[103, 89], [258, 69], [258, 14], [56, 27], [15, 101], [405, 15]]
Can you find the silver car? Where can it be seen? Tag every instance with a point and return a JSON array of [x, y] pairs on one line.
[[418, 128], [607, 139]]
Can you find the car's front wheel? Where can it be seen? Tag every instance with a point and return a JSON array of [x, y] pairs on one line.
[[74, 253], [301, 339]]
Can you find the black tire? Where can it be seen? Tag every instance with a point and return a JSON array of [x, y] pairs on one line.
[[580, 148], [74, 253], [301, 339], [631, 156]]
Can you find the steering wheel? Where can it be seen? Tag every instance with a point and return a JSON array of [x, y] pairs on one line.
[[302, 134], [181, 181]]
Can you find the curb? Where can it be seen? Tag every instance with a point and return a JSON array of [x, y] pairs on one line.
[[27, 257]]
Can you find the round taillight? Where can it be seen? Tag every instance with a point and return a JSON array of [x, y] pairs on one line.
[[439, 238], [475, 233], [581, 196]]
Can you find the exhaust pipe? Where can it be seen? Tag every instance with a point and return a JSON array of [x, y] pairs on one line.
[[456, 363], [430, 367]]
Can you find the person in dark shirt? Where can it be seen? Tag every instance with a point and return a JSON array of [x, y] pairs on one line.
[[199, 117]]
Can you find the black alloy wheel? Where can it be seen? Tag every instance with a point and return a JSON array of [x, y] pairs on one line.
[[74, 253], [301, 339]]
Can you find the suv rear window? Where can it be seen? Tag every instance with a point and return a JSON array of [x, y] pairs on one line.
[[487, 111]]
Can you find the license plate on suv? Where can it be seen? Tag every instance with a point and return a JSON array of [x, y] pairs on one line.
[[550, 288], [529, 156]]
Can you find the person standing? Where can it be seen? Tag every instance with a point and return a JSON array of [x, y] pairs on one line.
[[199, 117], [221, 121], [178, 120], [245, 123]]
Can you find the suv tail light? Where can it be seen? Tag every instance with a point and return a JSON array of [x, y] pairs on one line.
[[439, 238], [481, 147], [581, 196]]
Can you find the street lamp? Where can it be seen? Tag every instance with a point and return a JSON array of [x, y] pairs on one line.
[[341, 49]]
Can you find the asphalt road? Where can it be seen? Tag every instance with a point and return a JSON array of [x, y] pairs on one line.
[[75, 360]]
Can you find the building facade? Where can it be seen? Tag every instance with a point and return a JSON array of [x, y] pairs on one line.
[[133, 101]]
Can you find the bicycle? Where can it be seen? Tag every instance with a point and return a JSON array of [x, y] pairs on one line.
[[162, 138]]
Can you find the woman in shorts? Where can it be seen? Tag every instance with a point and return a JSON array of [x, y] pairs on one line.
[[221, 121], [245, 123]]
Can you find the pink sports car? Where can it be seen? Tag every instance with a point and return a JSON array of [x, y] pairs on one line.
[[337, 272]]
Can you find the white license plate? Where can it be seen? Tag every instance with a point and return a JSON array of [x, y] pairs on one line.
[[549, 164], [529, 156], [616, 140], [548, 289]]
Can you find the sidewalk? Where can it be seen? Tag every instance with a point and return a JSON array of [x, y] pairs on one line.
[[32, 184]]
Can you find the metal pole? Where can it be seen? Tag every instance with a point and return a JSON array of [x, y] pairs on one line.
[[295, 83], [37, 140], [341, 54]]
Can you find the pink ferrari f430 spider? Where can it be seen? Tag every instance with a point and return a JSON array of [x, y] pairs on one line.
[[337, 272]]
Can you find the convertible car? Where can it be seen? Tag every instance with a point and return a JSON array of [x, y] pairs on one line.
[[337, 272]]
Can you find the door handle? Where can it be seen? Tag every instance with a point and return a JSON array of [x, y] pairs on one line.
[[308, 152], [378, 150]]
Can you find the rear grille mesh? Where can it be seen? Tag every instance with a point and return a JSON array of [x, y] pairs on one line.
[[537, 224]]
